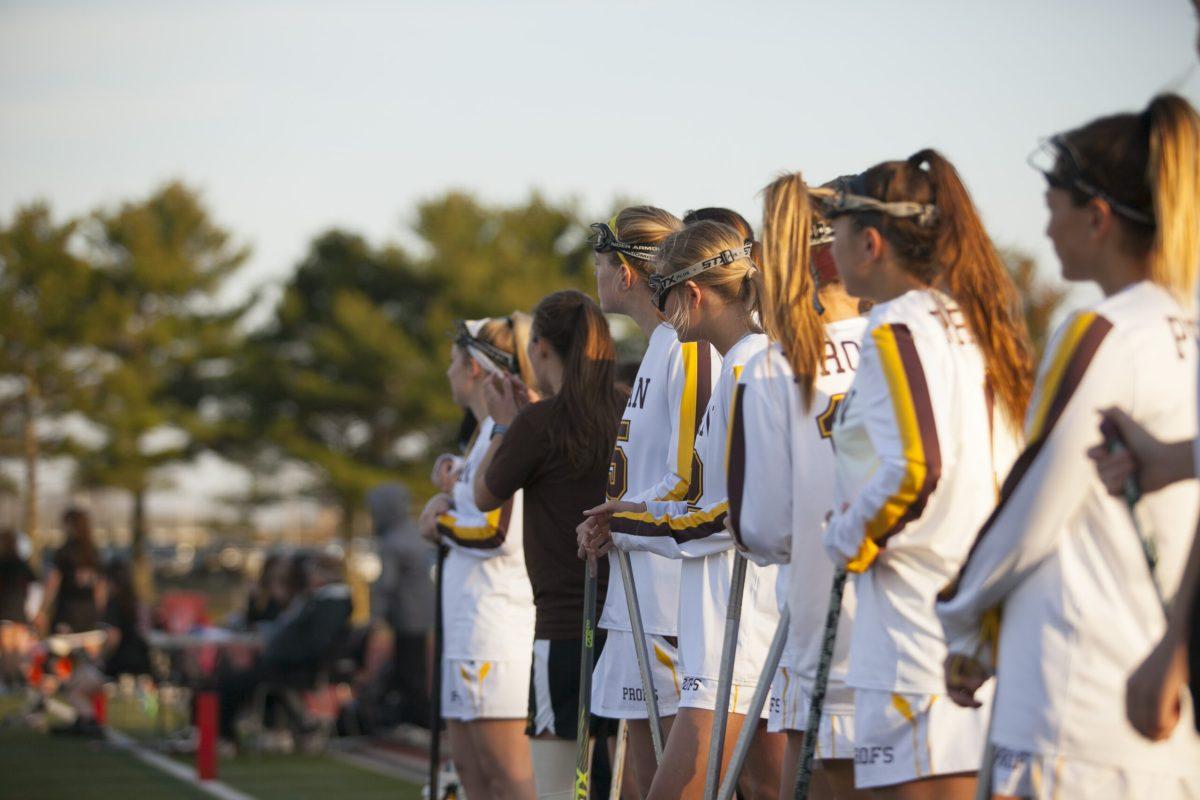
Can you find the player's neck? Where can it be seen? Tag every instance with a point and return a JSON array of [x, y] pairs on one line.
[[727, 328], [643, 312]]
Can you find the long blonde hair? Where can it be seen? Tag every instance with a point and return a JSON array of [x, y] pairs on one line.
[[700, 241], [1151, 162], [786, 281]]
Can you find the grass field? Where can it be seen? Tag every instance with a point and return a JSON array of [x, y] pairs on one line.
[[36, 766]]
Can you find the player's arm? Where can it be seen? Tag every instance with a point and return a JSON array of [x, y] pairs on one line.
[[689, 382], [891, 388], [760, 463], [1046, 485], [674, 528], [480, 534]]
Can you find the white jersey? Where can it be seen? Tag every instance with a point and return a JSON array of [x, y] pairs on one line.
[[1062, 556], [487, 603], [773, 526], [696, 533], [652, 460], [919, 452]]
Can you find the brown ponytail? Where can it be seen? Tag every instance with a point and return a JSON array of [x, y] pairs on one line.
[[786, 283], [1149, 162], [587, 409], [956, 253]]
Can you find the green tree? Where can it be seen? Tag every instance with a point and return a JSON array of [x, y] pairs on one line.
[[163, 336], [336, 376], [46, 291], [348, 377]]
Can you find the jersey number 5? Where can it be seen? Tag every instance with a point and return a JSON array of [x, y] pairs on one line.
[[618, 468], [826, 417]]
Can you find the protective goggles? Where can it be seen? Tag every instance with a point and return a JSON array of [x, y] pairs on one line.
[[848, 195], [1060, 163], [492, 359], [605, 240], [661, 285]]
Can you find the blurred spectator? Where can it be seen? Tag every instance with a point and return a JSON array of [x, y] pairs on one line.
[[75, 587], [125, 620], [300, 643], [17, 583], [403, 597], [123, 650], [272, 593]]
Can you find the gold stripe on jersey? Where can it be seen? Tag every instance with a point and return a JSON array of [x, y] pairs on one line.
[[901, 368], [685, 528], [697, 366], [490, 534], [1078, 346], [1049, 389], [687, 422]]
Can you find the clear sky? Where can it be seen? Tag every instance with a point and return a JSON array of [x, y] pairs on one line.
[[292, 117]]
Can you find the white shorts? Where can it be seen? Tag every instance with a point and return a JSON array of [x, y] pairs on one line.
[[789, 706], [903, 737], [702, 693], [617, 681], [484, 689], [1031, 775]]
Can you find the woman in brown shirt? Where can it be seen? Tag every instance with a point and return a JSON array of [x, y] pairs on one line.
[[558, 451]]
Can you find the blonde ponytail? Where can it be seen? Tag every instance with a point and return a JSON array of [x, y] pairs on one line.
[[787, 285], [1173, 174]]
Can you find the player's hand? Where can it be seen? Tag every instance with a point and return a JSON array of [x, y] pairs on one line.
[[502, 400], [593, 540], [523, 394], [427, 523], [602, 514], [964, 675], [445, 472], [1144, 457], [1152, 693]]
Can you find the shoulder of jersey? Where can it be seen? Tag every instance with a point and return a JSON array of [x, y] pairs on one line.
[[767, 364], [918, 311], [1135, 304], [849, 328]]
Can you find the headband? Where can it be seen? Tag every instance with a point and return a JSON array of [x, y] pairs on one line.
[[847, 195], [660, 285], [492, 359]]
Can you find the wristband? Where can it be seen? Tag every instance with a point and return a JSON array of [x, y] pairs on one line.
[[499, 429]]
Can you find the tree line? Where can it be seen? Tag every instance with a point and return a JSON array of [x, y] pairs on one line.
[[119, 351]]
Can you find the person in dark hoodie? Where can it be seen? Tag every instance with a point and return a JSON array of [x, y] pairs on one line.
[[304, 636], [403, 597]]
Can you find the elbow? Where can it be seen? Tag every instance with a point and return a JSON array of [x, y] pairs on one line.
[[484, 500], [763, 548]]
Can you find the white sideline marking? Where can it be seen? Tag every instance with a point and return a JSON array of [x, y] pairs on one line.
[[379, 767], [174, 768]]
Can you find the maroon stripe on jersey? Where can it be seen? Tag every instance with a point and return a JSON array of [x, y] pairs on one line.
[[1073, 375], [703, 381], [635, 527], [1085, 351], [736, 479], [918, 390], [491, 542]]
